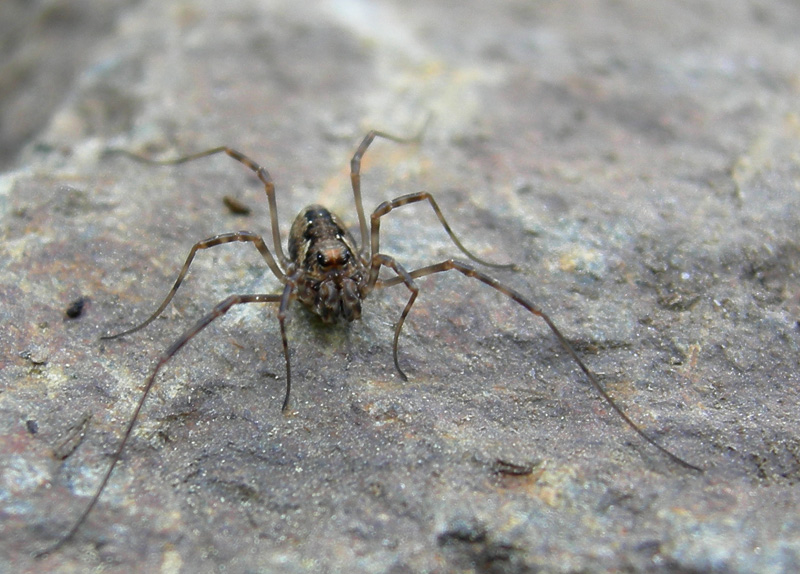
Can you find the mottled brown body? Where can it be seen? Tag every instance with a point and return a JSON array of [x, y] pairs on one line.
[[331, 278]]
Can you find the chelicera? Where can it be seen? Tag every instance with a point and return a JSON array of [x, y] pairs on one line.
[[332, 275]]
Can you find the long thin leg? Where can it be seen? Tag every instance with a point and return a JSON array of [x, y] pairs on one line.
[[261, 172], [355, 175], [286, 298], [218, 311], [244, 236], [470, 271], [387, 206], [403, 276]]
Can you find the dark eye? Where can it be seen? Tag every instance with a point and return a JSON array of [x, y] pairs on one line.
[[321, 260]]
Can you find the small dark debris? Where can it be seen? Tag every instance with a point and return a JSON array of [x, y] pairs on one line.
[[462, 530], [35, 356], [473, 546], [677, 301], [74, 437], [235, 206], [524, 188], [32, 426], [501, 466], [75, 308]]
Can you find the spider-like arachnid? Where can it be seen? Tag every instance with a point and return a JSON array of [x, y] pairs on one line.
[[331, 275]]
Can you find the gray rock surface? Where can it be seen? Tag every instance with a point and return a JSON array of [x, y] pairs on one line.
[[640, 163]]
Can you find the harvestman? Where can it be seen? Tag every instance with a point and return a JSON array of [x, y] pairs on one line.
[[331, 276]]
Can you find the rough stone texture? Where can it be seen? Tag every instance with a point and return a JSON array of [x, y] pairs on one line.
[[640, 162]]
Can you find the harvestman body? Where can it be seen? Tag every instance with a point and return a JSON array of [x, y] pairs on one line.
[[331, 275]]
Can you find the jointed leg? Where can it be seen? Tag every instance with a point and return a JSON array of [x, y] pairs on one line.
[[222, 308], [387, 206], [355, 175], [470, 271], [403, 276], [243, 236], [261, 172], [286, 298]]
